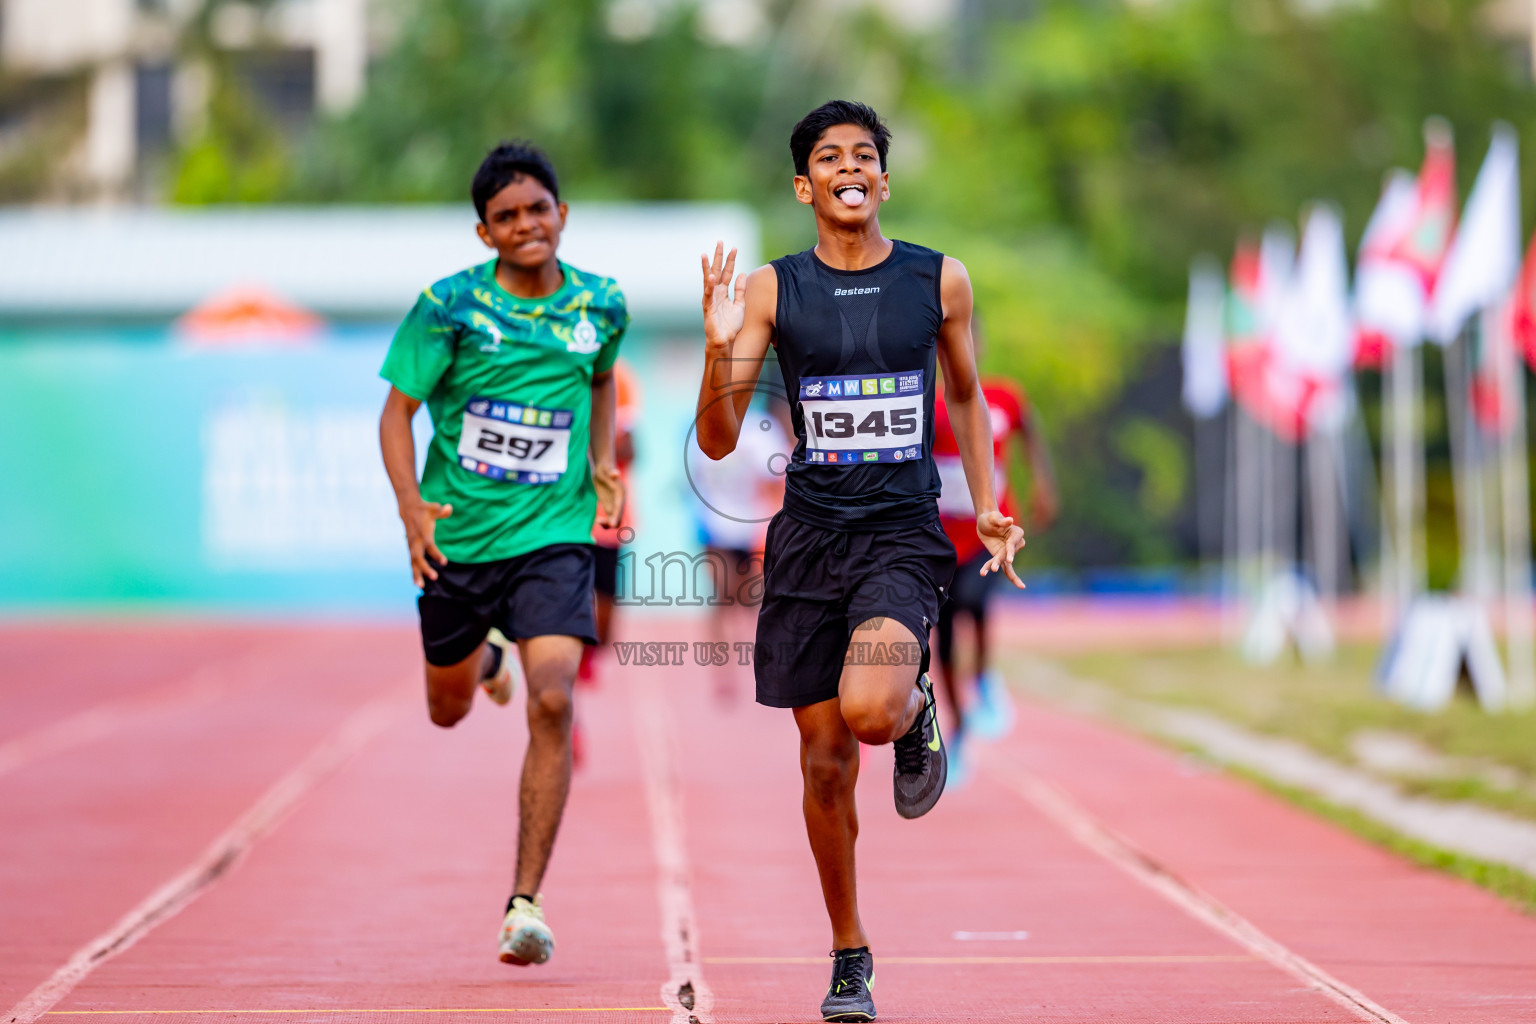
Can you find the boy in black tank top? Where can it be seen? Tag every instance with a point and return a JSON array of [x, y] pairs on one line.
[[856, 564]]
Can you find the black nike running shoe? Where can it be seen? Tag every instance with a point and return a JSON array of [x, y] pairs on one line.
[[920, 762], [853, 975]]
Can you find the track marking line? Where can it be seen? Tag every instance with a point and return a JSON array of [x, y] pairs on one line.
[[1218, 958], [217, 860], [1077, 822], [108, 717], [685, 991], [411, 1009]]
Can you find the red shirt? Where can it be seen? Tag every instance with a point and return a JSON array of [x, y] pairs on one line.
[[1008, 407]]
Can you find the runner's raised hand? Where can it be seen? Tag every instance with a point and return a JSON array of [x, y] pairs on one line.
[[723, 315], [1003, 540], [420, 526]]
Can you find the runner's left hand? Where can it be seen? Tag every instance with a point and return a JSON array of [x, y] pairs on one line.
[[1003, 540], [610, 495]]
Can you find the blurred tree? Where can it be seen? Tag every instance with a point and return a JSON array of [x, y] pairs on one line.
[[1075, 155], [41, 121]]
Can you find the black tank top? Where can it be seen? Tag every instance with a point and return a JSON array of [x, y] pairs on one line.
[[857, 348]]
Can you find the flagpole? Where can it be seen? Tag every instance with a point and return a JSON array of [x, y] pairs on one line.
[[1516, 516], [1288, 495], [1231, 544], [1391, 509], [1478, 448], [1323, 522], [1455, 388], [1359, 483], [1209, 450]]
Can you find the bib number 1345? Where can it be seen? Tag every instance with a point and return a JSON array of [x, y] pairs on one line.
[[851, 420], [836, 424]]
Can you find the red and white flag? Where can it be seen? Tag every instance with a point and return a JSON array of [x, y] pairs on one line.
[[1389, 297], [1261, 286], [1404, 249], [1314, 329]]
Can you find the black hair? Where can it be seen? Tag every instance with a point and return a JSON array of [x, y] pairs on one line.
[[835, 112], [504, 165]]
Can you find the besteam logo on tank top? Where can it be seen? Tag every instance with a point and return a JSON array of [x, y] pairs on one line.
[[856, 291]]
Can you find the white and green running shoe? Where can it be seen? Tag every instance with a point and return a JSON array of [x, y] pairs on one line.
[[525, 938], [853, 976], [501, 686]]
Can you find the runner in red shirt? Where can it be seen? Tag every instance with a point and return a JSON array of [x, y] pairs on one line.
[[991, 714]]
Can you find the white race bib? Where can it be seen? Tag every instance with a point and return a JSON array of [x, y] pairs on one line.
[[518, 443], [854, 420]]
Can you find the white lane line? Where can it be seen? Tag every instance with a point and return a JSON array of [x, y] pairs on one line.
[[108, 717], [685, 991], [1146, 869], [217, 860]]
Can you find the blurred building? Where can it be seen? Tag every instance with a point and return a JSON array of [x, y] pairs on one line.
[[224, 471], [125, 78]]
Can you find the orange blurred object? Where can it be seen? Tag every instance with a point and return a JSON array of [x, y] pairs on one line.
[[247, 313]]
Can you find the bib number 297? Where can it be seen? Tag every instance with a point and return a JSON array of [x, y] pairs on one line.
[[517, 443]]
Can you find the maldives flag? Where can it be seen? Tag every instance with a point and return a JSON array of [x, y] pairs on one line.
[[1404, 249], [1426, 236], [1246, 348], [1260, 382]]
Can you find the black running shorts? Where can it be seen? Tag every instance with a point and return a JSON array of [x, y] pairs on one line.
[[970, 590], [819, 584], [546, 592], [606, 570]]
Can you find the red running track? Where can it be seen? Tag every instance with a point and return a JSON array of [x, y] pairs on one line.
[[248, 824]]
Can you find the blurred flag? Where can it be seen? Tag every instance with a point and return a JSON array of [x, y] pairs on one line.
[[1404, 249], [1389, 294], [1485, 257], [1314, 331], [1497, 369], [1521, 316], [1245, 331], [1427, 238], [1261, 279], [1205, 370]]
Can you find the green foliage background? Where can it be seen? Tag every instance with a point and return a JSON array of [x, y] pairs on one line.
[[1075, 155]]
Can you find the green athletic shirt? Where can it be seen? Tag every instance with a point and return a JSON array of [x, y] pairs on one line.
[[515, 376]]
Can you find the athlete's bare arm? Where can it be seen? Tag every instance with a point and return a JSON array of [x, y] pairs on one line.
[[420, 517], [605, 465], [737, 333], [972, 423]]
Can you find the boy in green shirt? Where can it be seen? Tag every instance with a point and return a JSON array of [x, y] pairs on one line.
[[514, 359]]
